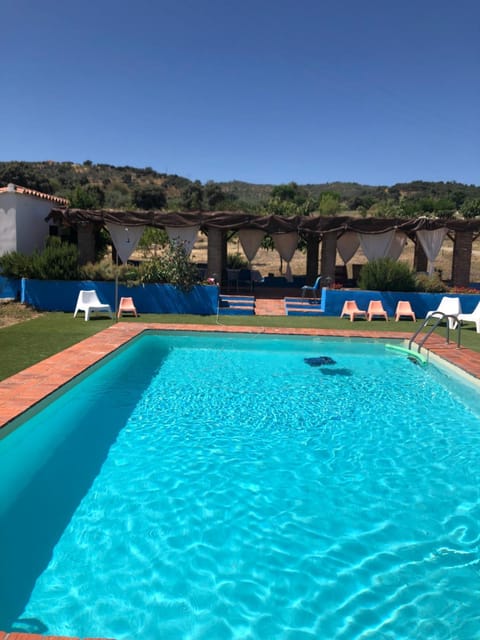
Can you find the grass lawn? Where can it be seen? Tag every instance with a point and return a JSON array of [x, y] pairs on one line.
[[32, 340]]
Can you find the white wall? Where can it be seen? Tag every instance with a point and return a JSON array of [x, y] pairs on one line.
[[32, 230], [22, 222], [8, 223]]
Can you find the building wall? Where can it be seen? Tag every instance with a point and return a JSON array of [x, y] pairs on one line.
[[22, 223], [32, 230], [8, 223]]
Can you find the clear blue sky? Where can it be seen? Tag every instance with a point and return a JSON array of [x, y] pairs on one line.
[[369, 91]]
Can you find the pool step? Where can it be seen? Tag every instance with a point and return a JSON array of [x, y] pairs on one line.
[[236, 305], [302, 307]]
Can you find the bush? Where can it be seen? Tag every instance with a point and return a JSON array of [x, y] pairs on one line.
[[385, 274], [172, 267], [430, 284], [105, 271], [236, 261], [58, 261], [16, 265]]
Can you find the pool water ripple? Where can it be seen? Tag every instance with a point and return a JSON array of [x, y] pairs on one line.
[[250, 496]]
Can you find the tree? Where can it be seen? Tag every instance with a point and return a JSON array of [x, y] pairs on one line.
[[329, 203], [290, 192], [213, 195], [85, 198], [416, 206], [289, 200], [150, 197], [152, 239], [22, 174], [192, 197], [361, 202], [387, 209], [118, 196], [470, 208], [281, 207]]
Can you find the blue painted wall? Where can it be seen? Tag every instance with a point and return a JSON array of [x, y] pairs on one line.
[[332, 300], [61, 295], [10, 288]]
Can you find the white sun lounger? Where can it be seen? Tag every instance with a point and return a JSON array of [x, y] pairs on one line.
[[472, 317], [88, 301], [449, 307]]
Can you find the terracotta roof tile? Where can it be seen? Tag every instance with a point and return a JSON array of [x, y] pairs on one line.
[[32, 192]]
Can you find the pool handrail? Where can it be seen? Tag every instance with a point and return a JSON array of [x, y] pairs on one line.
[[438, 317]]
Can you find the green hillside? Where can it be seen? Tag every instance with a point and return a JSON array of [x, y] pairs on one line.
[[90, 185]]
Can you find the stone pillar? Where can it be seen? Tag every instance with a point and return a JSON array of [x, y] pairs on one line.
[[216, 252], [329, 255], [86, 243], [420, 262], [313, 246], [462, 258]]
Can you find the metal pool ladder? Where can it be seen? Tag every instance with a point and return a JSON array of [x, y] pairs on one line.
[[437, 317]]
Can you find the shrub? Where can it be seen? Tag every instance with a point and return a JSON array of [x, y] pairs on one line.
[[385, 274], [430, 284], [103, 270], [236, 261], [16, 265], [106, 270], [173, 267], [58, 261]]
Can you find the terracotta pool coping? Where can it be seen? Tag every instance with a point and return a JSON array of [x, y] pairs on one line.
[[27, 388]]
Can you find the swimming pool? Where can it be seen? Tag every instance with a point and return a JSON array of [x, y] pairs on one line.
[[223, 487]]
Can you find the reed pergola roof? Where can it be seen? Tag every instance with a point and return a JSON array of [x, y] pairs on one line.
[[235, 220]]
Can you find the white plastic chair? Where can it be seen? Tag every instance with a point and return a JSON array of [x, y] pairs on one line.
[[448, 306], [88, 301], [472, 317]]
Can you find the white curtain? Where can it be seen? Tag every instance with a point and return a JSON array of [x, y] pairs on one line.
[[347, 245], [431, 242], [286, 245], [250, 239], [376, 245], [185, 236], [397, 246], [125, 239]]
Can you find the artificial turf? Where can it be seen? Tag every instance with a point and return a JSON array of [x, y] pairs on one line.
[[30, 341]]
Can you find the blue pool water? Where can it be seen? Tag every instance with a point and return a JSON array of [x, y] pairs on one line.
[[205, 486]]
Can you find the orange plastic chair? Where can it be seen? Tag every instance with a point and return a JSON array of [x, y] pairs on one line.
[[350, 309], [126, 306], [404, 309], [375, 310]]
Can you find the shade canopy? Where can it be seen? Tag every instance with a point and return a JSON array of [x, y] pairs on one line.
[[235, 220]]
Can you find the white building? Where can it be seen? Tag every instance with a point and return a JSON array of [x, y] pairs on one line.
[[22, 218]]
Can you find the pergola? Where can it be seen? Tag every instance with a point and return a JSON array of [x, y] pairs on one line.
[[328, 232]]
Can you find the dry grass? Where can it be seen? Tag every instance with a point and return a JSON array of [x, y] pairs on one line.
[[14, 312], [269, 261]]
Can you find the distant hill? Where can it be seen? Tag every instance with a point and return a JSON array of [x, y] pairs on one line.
[[104, 185]]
